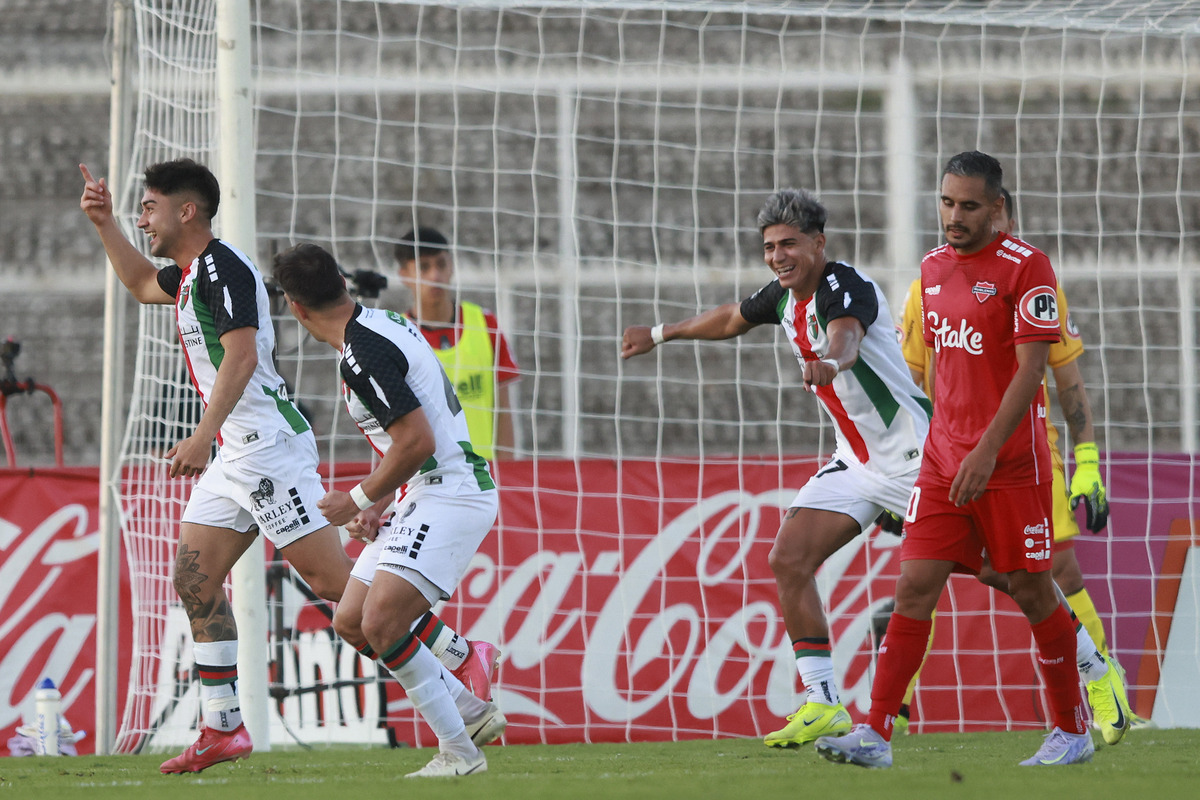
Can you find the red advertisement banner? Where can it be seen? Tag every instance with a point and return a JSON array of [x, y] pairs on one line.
[[49, 539], [632, 601]]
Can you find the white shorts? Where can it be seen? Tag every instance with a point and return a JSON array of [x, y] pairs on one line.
[[430, 539], [275, 487], [849, 488]]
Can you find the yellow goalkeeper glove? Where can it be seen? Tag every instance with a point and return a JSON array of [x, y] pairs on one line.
[[1088, 488]]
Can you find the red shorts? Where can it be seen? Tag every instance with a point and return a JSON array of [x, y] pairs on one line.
[[1012, 526]]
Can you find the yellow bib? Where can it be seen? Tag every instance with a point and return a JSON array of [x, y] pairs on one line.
[[471, 367]]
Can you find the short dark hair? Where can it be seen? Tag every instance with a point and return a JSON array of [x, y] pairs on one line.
[[1010, 207], [420, 242], [186, 176], [309, 274], [974, 164], [796, 207]]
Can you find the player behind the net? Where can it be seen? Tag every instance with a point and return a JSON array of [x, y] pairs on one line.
[[398, 394]]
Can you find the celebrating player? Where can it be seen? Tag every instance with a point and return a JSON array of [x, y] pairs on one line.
[[990, 314], [398, 394], [1106, 691], [264, 476], [839, 326]]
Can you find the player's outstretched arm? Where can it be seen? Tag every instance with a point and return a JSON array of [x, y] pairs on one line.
[[723, 322], [136, 271]]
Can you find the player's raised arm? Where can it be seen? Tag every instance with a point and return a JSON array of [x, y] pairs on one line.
[[723, 322], [136, 271]]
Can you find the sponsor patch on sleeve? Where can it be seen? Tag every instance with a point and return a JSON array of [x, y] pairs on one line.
[[1039, 307]]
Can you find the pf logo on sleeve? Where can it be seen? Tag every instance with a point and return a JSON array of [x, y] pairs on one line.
[[1039, 307]]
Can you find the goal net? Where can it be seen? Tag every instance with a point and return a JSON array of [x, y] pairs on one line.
[[599, 165]]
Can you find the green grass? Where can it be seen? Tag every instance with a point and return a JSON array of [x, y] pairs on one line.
[[1148, 765]]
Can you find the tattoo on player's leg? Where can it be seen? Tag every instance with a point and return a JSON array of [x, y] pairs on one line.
[[212, 619], [218, 624], [189, 580]]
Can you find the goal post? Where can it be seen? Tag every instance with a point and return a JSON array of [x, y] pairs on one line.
[[600, 164], [235, 172]]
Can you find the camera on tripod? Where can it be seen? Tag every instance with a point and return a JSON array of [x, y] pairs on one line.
[[9, 351], [366, 284]]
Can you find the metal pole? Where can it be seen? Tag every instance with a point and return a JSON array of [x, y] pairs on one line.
[[903, 187], [108, 578], [238, 223], [568, 270], [1188, 349]]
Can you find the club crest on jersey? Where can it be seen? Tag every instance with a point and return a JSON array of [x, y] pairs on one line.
[[185, 292], [1039, 307], [1072, 331], [813, 331], [983, 290]]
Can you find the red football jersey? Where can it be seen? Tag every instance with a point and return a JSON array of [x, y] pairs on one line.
[[976, 309]]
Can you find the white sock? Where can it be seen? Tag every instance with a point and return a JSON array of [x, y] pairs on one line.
[[1092, 666], [450, 648], [421, 677], [469, 706], [219, 703], [816, 673]]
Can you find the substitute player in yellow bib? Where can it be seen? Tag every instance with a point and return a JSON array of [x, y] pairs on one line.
[[465, 337], [1087, 486]]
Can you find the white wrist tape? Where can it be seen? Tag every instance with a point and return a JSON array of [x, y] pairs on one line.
[[656, 334], [360, 498], [833, 363]]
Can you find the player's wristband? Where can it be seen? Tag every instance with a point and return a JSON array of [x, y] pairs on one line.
[[833, 363], [1087, 453], [656, 334], [360, 498]]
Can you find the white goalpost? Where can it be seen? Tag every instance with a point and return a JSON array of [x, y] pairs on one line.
[[598, 165]]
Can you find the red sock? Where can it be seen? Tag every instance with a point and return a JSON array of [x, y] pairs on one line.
[[1055, 639], [900, 656]]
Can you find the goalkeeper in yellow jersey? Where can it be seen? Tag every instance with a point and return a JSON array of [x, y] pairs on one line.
[[1086, 488]]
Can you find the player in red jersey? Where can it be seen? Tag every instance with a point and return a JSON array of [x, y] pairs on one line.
[[990, 314]]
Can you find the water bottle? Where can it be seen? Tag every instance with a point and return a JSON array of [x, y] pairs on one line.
[[47, 702]]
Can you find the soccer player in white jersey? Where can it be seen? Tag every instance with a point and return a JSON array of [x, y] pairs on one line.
[[990, 314], [264, 477], [839, 327], [399, 395]]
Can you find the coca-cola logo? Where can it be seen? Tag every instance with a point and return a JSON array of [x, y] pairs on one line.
[[650, 628], [47, 614]]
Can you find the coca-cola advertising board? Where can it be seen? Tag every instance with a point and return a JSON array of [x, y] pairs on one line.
[[49, 541], [632, 600]]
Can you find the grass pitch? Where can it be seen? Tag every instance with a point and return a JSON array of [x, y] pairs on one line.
[[1149, 764]]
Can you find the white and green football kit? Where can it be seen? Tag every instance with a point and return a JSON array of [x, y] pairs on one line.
[[447, 508], [880, 416], [265, 471]]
